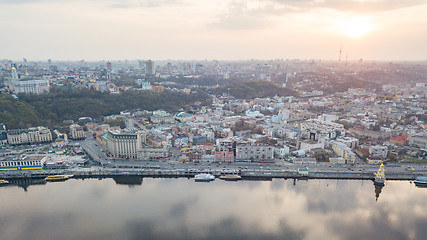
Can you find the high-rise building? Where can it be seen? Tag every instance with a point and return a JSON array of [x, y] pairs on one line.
[[109, 68], [149, 68], [124, 144]]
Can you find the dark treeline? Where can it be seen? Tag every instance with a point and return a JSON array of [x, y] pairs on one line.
[[71, 103], [254, 89]]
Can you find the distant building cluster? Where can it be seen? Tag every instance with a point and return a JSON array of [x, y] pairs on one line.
[[32, 135], [27, 86], [328, 119]]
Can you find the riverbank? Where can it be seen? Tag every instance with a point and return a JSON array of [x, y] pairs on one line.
[[181, 173]]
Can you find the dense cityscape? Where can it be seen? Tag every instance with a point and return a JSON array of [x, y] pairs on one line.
[[289, 118], [206, 120]]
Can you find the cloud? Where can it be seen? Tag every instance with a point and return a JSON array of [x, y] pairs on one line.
[[120, 5], [240, 15], [351, 5], [111, 3], [141, 3], [254, 14]]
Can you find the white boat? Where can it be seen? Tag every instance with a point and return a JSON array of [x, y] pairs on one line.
[[204, 177], [421, 181], [380, 176]]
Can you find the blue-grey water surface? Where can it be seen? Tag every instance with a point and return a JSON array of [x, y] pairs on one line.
[[184, 209]]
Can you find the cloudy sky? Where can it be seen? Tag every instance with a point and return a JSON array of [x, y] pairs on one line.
[[220, 29]]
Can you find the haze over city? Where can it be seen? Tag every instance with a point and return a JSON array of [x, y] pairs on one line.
[[224, 30]]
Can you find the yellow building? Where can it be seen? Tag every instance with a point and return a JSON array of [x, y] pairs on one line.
[[158, 89]]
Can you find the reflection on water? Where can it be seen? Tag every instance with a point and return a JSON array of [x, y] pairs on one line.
[[26, 182], [184, 209], [128, 180], [378, 188]]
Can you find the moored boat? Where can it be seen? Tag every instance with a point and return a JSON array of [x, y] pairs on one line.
[[230, 177], [3, 182], [204, 177], [421, 181], [57, 178]]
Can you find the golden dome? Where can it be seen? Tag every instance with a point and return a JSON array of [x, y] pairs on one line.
[[13, 69]]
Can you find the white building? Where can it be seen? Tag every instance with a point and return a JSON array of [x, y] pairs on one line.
[[29, 86], [153, 153], [124, 144], [308, 146], [208, 158], [316, 129], [225, 144], [254, 152], [281, 152], [161, 116], [76, 132], [31, 162], [351, 142], [3, 135], [343, 151], [143, 84], [29, 136], [378, 151]]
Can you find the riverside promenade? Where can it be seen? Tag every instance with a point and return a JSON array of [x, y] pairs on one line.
[[189, 173]]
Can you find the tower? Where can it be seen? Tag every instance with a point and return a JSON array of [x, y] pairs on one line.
[[109, 68], [299, 136], [149, 68]]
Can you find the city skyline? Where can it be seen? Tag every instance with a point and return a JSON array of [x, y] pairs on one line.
[[223, 30]]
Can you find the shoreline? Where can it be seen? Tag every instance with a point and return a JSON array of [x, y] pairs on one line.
[[246, 175]]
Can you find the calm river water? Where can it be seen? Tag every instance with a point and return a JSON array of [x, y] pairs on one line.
[[184, 209]]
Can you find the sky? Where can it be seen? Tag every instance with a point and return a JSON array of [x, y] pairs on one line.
[[206, 29]]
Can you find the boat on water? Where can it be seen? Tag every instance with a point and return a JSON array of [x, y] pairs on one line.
[[230, 177], [204, 177], [421, 181], [3, 182], [57, 178], [380, 176]]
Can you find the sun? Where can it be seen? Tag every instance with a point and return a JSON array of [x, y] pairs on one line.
[[356, 27]]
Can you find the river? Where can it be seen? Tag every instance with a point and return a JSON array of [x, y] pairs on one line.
[[183, 209]]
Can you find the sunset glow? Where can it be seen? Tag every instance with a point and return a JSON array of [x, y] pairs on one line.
[[224, 29], [356, 27]]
